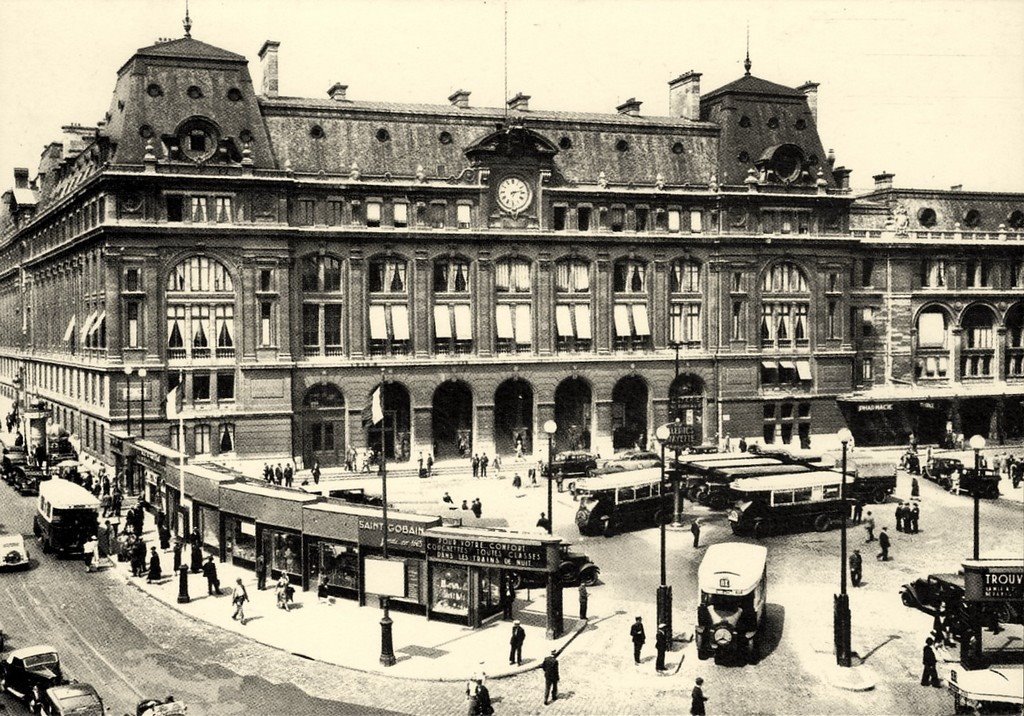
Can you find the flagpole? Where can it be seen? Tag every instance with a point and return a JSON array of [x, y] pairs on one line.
[[387, 649], [181, 473]]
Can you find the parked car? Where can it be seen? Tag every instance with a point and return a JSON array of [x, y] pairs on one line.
[[576, 569], [13, 457], [984, 481], [77, 699], [571, 464], [161, 707], [29, 668], [629, 460], [941, 470], [27, 479], [928, 593], [13, 552]]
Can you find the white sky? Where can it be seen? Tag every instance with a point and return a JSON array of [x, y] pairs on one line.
[[930, 90]]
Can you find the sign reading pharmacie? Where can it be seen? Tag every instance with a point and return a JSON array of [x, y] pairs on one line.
[[995, 583], [468, 550], [401, 533]]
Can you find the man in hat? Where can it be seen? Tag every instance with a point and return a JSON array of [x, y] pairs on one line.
[[550, 667], [661, 644], [856, 568], [637, 634], [930, 675], [884, 542], [697, 698], [515, 654]]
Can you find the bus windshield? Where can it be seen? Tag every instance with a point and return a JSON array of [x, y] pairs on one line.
[[74, 518]]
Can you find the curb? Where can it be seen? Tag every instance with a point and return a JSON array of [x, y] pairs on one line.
[[852, 678]]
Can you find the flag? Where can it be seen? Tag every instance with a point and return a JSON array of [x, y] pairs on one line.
[[176, 398], [374, 412]]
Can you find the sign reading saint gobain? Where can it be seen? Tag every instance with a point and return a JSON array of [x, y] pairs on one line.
[[995, 583], [514, 555], [401, 533]]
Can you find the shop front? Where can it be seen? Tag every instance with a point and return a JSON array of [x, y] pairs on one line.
[[262, 520], [122, 447], [331, 536], [469, 570], [155, 464], [202, 487], [405, 569]]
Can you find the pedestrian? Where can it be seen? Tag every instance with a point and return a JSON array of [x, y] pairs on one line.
[[140, 518], [268, 472], [929, 675], [196, 564], [475, 463], [165, 537], [430, 465], [858, 510], [212, 581], [584, 596], [661, 646], [915, 488], [637, 634], [550, 666], [883, 543], [869, 527], [447, 499], [697, 698], [154, 573], [316, 472], [465, 504], [544, 523], [856, 568], [517, 482], [483, 465], [323, 595], [177, 555], [515, 653], [477, 507], [289, 474], [283, 589], [508, 599], [742, 444], [88, 553], [695, 529], [900, 512], [261, 572], [238, 599], [138, 557], [483, 700], [532, 474], [915, 516]]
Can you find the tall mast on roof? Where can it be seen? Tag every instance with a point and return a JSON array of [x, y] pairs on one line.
[[187, 22], [746, 62]]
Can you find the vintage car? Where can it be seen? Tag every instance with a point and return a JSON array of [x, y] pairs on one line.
[[576, 569], [161, 707], [28, 668], [571, 464], [27, 478], [928, 593], [941, 470], [77, 699], [984, 481], [13, 457], [13, 553], [629, 460]]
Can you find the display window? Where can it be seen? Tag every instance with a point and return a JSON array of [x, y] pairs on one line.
[[240, 541], [338, 562], [209, 526], [282, 552], [450, 589], [490, 591]]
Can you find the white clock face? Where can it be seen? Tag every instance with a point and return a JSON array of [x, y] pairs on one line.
[[513, 194]]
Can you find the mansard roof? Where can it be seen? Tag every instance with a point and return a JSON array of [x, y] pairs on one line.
[[748, 84]]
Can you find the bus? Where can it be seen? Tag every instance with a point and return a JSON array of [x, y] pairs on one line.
[[716, 494], [67, 515], [773, 503], [696, 472], [733, 583], [622, 501]]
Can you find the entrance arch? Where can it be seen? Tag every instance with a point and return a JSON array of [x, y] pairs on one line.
[[393, 431], [686, 404], [322, 425], [629, 413], [452, 419], [513, 416], [573, 411]]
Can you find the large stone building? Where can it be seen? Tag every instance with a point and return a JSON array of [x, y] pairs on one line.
[[499, 267]]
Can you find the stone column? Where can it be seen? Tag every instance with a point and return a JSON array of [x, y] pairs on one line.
[[113, 267], [601, 437], [543, 306], [483, 429], [484, 338], [601, 305], [358, 315], [422, 438], [999, 369], [154, 325], [658, 312], [956, 373], [247, 310], [284, 315], [421, 306]]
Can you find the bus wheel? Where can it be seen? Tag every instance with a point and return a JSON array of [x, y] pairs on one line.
[[992, 492], [693, 493], [46, 546], [753, 649], [879, 495], [822, 523], [761, 529]]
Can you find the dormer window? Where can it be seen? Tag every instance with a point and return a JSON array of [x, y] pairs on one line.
[[198, 139]]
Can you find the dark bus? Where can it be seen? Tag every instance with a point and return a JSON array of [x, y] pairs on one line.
[[715, 493], [776, 503], [66, 516], [622, 501], [696, 471]]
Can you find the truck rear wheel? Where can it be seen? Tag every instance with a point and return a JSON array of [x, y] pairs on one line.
[[879, 495], [822, 523], [761, 528]]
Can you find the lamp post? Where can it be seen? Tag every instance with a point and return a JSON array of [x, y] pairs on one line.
[[387, 648], [550, 427], [142, 402], [977, 443], [128, 399], [677, 494], [841, 607], [664, 595]]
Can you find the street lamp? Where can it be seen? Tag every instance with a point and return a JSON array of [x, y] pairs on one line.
[[142, 402], [128, 399], [977, 443], [664, 595], [841, 608], [550, 427]]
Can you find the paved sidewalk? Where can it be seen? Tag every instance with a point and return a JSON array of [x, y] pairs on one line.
[[344, 634]]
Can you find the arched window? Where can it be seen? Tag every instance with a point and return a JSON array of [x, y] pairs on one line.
[[451, 275], [512, 276], [784, 277], [573, 276], [632, 325], [931, 359], [572, 308], [685, 276], [685, 311], [388, 275], [198, 323], [630, 276], [453, 321], [513, 312], [321, 274], [389, 309], [321, 307], [978, 349]]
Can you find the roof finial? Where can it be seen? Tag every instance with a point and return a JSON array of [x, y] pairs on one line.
[[187, 22], [746, 62]]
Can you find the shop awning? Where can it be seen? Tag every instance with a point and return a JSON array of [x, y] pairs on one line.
[[622, 329], [931, 329], [524, 326], [71, 328], [503, 321], [88, 324], [98, 323], [400, 322], [787, 365], [769, 365], [643, 327], [803, 369], [463, 322], [442, 322], [378, 323], [563, 321], [583, 321]]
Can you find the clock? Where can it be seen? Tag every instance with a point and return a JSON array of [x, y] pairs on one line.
[[514, 194]]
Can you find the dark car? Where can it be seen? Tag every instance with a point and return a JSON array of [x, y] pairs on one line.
[[32, 667], [985, 482], [928, 593], [27, 478], [13, 458], [571, 464], [77, 699], [576, 569], [941, 470]]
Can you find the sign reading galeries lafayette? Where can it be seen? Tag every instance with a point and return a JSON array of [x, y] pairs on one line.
[[479, 551]]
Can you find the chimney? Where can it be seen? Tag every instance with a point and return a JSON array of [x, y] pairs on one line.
[[955, 187], [842, 177], [521, 102], [268, 63], [631, 107], [20, 178], [883, 181], [337, 92], [684, 96], [810, 90], [459, 98]]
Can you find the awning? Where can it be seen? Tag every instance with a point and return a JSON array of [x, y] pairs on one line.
[[622, 329], [98, 323], [787, 365], [71, 328], [88, 324], [640, 321], [803, 369], [463, 322], [524, 326], [583, 321], [931, 329], [442, 322], [378, 323], [503, 321], [563, 321], [769, 365], [400, 323]]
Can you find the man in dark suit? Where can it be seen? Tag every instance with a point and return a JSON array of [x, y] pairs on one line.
[[515, 654], [661, 644], [697, 698], [930, 676], [883, 543], [637, 634], [550, 666]]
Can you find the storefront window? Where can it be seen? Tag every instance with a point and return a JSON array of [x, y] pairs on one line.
[[241, 538], [209, 527], [283, 551], [338, 562], [450, 589], [490, 591]]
